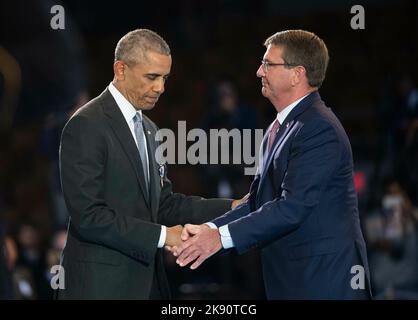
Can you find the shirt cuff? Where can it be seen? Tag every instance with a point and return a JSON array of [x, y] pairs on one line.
[[211, 225], [226, 238], [163, 235]]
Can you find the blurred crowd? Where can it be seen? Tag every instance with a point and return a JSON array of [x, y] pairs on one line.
[[391, 214], [45, 76]]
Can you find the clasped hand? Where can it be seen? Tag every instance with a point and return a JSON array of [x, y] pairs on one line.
[[196, 243]]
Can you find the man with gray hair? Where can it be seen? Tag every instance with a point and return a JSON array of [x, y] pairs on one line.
[[122, 208], [302, 210]]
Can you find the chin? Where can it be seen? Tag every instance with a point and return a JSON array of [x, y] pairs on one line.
[[149, 107], [146, 107]]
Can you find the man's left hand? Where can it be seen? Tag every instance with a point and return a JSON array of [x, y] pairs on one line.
[[236, 203]]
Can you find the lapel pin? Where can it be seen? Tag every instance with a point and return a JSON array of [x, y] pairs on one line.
[[149, 132], [161, 171], [287, 125]]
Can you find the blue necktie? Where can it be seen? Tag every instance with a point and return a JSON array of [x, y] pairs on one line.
[[141, 144]]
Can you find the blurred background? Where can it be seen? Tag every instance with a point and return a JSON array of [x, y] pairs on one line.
[[46, 74]]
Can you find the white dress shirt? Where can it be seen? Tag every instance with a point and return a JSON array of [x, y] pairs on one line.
[[129, 113], [226, 238]]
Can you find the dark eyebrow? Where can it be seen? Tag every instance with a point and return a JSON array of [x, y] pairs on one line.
[[157, 75]]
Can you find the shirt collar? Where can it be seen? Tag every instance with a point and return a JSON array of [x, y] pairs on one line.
[[124, 105], [281, 116]]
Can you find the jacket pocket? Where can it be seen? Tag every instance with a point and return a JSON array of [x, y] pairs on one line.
[[93, 253], [314, 247]]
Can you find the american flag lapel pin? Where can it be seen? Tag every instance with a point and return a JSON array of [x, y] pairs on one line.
[[161, 171]]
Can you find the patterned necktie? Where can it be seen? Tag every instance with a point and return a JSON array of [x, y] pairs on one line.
[[273, 133], [141, 144]]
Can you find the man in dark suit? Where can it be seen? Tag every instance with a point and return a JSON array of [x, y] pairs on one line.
[[302, 209], [122, 208]]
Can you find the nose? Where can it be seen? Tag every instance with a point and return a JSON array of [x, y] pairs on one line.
[[159, 86], [260, 72]]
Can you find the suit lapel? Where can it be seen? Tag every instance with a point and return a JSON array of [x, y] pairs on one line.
[[281, 135], [262, 154], [124, 135], [286, 128]]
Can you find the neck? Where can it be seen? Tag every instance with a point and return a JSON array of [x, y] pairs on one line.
[[120, 88], [282, 103]]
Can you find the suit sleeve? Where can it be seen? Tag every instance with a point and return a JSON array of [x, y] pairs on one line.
[[83, 155], [314, 156], [241, 210]]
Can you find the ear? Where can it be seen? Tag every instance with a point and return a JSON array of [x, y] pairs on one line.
[[299, 73], [119, 70]]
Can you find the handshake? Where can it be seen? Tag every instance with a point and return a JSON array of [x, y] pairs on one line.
[[195, 243], [192, 243]]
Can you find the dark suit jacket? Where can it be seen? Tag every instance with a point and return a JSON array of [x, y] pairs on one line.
[[111, 251], [303, 210]]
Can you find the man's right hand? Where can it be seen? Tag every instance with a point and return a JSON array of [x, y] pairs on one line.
[[190, 230], [173, 237], [201, 244]]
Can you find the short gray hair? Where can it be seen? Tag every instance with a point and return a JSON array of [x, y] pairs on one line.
[[132, 47]]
